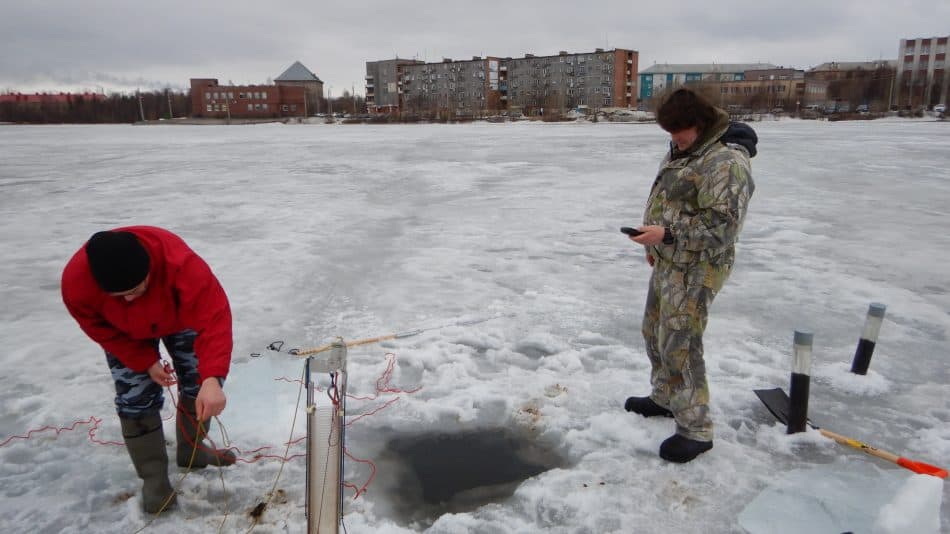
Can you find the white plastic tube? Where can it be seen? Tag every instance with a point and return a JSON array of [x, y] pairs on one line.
[[324, 450]]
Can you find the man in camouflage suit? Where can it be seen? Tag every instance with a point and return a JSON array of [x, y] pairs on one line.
[[692, 221]]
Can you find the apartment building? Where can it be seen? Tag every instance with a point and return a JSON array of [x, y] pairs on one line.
[[454, 88], [598, 79], [922, 77], [489, 85], [382, 84], [655, 80]]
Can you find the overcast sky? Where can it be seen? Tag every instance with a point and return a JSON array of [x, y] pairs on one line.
[[120, 45]]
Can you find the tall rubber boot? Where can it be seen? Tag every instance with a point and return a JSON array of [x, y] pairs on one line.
[[188, 435], [145, 441]]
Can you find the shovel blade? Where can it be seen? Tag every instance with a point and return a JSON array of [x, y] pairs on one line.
[[776, 401]]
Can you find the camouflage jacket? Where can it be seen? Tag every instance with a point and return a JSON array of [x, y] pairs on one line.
[[701, 196]]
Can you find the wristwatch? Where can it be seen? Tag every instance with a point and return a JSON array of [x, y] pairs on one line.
[[668, 236]]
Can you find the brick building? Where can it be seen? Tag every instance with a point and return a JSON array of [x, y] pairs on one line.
[[286, 98], [762, 90], [845, 85], [300, 76], [922, 77]]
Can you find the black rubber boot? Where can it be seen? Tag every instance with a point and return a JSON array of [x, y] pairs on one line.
[[145, 442], [646, 407], [188, 435], [680, 449]]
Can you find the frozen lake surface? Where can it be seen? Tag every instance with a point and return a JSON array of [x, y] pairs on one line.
[[501, 240]]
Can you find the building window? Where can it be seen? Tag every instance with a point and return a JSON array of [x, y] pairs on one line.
[[207, 96], [283, 107], [209, 107], [241, 95], [250, 107], [293, 107], [230, 95], [264, 106], [264, 95], [257, 107]]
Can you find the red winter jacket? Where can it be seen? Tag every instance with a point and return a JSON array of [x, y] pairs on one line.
[[182, 293]]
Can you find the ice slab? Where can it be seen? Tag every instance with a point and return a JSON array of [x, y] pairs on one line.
[[847, 496]]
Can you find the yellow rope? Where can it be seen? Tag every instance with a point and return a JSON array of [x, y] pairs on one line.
[[181, 479]]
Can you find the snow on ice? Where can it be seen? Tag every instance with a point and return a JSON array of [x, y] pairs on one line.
[[318, 231]]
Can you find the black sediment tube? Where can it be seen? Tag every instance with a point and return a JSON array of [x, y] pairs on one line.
[[872, 327], [798, 406], [800, 383]]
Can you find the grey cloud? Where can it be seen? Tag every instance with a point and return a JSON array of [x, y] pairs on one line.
[[156, 44]]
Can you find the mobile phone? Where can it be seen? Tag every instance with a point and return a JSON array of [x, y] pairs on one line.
[[630, 231]]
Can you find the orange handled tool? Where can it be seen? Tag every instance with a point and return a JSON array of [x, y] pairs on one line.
[[777, 402]]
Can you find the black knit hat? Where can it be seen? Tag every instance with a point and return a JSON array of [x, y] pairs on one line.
[[118, 260]]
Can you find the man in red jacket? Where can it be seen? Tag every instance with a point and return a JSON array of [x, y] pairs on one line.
[[129, 288]]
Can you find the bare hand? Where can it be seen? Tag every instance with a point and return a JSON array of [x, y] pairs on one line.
[[652, 235], [211, 399], [161, 375]]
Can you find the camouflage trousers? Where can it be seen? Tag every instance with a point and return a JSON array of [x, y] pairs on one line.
[[137, 396], [676, 313]]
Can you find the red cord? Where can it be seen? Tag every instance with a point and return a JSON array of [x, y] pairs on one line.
[[255, 455]]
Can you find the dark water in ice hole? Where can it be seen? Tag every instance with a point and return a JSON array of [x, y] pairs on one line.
[[441, 473]]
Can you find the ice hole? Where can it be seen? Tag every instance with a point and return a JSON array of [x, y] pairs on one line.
[[439, 473]]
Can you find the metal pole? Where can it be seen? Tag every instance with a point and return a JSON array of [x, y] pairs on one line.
[[141, 109]]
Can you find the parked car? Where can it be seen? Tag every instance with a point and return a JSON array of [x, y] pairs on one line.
[[940, 108], [862, 108]]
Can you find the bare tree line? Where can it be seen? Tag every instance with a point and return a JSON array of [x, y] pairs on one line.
[[113, 108]]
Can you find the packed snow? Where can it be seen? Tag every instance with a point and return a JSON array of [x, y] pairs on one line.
[[500, 242]]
